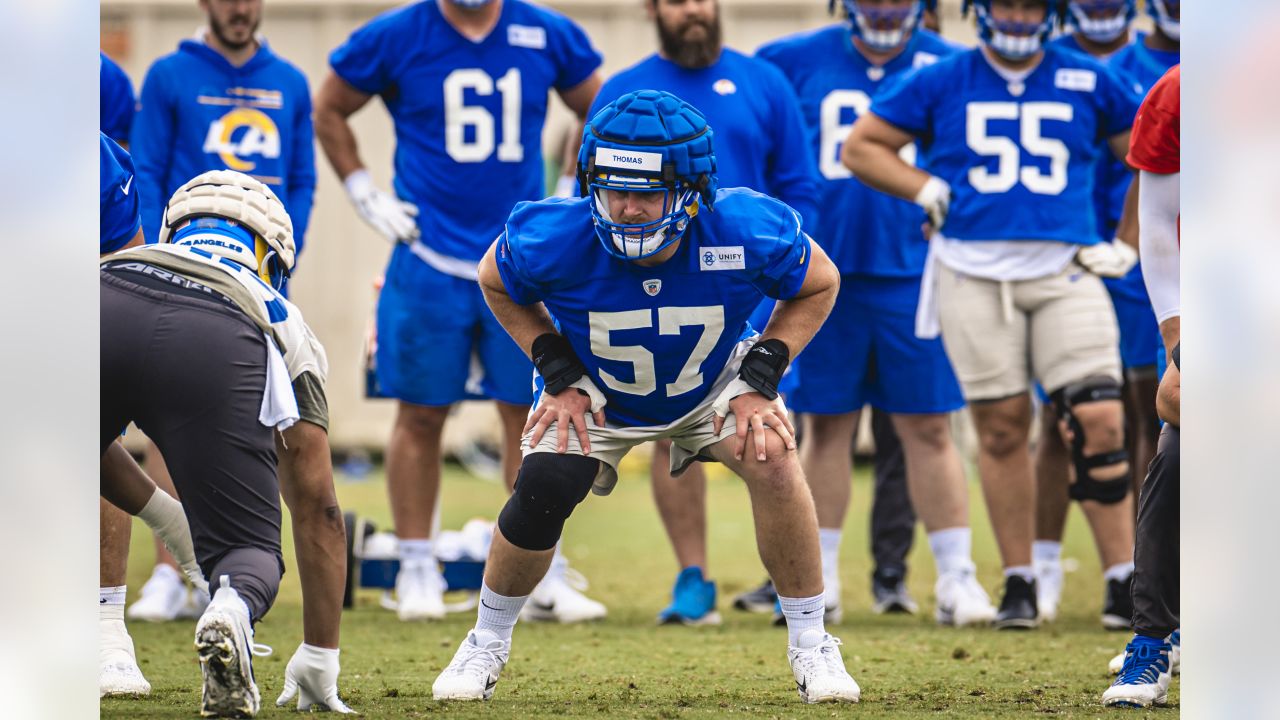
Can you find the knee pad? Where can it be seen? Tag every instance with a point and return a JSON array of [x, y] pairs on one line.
[[1086, 487], [548, 488]]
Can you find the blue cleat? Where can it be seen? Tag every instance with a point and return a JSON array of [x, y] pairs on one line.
[[1144, 679], [1175, 651], [693, 601]]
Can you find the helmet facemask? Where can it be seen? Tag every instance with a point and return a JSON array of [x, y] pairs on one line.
[[1010, 39], [637, 240], [883, 28], [1165, 20], [1102, 21]]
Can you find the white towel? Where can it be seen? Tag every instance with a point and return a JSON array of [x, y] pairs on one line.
[[927, 325], [279, 405]]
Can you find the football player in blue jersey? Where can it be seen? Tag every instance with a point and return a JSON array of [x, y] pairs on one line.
[[466, 83], [222, 100], [867, 352], [761, 136], [1102, 28], [1011, 131], [651, 279], [115, 101]]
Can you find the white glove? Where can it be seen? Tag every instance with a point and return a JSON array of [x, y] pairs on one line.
[[935, 198], [312, 675], [389, 215], [566, 187], [585, 385], [165, 517], [736, 387], [1108, 259]]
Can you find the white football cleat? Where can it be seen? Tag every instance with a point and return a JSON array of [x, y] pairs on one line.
[[961, 600], [473, 672], [1116, 664], [420, 590], [118, 671], [1049, 580], [559, 598], [162, 596], [819, 669], [224, 643]]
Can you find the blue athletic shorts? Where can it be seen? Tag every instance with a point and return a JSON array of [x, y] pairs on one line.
[[867, 353], [430, 327], [1140, 341]]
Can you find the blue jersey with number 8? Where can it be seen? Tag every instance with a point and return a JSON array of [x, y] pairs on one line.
[[468, 114], [1019, 156], [654, 339]]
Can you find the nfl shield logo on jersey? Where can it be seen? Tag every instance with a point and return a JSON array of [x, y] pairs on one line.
[[652, 287]]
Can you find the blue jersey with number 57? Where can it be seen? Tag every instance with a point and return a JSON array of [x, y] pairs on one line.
[[468, 115], [864, 231], [1019, 156], [654, 339]]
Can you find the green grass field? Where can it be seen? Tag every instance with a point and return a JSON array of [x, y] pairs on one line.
[[628, 667]]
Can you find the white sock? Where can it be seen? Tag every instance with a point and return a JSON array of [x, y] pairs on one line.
[[829, 540], [952, 549], [1046, 553], [111, 602], [416, 549], [802, 614], [1119, 571], [1022, 571], [498, 613]]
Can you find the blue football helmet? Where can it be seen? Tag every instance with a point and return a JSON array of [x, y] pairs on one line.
[[647, 141], [1167, 14], [882, 28], [1102, 20], [1013, 40]]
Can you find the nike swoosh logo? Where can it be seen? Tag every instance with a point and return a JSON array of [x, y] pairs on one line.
[[125, 187], [809, 612], [490, 683], [102, 601], [545, 606], [802, 686], [482, 602]]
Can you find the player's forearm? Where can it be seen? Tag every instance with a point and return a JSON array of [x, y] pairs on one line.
[[879, 166], [122, 483], [338, 142], [306, 483], [524, 323], [797, 320]]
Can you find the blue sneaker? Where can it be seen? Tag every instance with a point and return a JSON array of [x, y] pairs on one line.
[[1144, 679], [693, 601], [1175, 651]]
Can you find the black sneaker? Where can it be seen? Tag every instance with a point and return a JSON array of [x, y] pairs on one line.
[[1018, 606], [889, 591], [759, 600], [1117, 604]]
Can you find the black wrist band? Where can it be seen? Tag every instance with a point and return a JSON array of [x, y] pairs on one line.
[[1176, 352], [556, 362], [763, 366]]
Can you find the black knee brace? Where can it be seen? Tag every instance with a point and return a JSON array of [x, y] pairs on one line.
[[548, 488], [1094, 389]]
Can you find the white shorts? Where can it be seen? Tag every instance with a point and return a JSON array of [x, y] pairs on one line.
[[690, 435]]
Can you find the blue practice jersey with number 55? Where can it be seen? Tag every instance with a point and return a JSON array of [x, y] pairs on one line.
[[1019, 156], [654, 339], [468, 114]]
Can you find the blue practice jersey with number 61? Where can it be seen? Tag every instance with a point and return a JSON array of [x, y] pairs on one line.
[[468, 114], [1019, 156], [654, 339]]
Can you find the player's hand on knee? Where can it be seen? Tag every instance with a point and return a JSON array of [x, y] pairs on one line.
[[570, 407], [755, 413], [312, 675]]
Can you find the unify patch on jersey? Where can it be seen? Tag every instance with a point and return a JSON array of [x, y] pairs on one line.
[[527, 36], [1075, 79], [630, 159], [723, 258]]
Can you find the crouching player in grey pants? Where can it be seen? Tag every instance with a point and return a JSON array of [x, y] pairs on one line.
[[203, 353]]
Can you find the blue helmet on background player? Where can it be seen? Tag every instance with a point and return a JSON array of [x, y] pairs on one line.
[[231, 215], [1013, 40], [647, 141], [1102, 20], [883, 24], [1167, 14], [470, 4]]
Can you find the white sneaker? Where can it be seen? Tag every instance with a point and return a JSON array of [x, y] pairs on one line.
[[833, 612], [224, 643], [1049, 579], [473, 672], [819, 670], [419, 590], [961, 600], [559, 598], [162, 596], [118, 672]]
